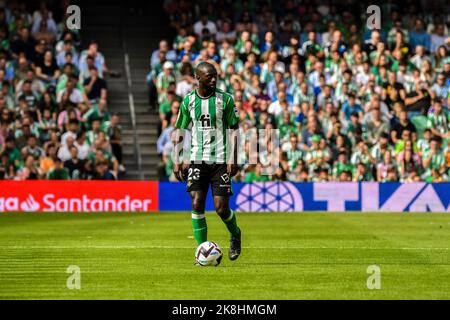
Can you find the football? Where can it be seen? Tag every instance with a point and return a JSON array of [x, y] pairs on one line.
[[208, 254]]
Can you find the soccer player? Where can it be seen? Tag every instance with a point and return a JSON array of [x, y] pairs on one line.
[[212, 113]]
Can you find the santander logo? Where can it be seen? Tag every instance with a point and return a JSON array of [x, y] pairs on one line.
[[30, 205]]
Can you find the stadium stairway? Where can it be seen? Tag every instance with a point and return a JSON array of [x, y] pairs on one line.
[[127, 38]]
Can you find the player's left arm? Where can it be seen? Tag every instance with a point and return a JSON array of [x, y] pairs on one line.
[[177, 137], [232, 117]]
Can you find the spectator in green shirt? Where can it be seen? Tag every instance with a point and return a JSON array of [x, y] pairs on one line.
[[59, 172], [12, 152], [433, 158], [256, 176]]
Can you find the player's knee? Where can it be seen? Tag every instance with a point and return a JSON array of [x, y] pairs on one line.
[[222, 210], [198, 205]]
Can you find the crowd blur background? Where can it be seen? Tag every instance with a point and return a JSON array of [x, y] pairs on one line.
[[54, 120], [350, 103]]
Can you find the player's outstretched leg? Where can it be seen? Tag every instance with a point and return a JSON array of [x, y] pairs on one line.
[[199, 227], [229, 218], [198, 216]]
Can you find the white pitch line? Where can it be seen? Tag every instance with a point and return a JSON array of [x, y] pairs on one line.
[[190, 247]]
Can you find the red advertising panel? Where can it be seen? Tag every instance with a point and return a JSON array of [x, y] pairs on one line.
[[78, 196]]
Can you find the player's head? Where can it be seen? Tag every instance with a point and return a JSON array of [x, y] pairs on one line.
[[206, 75]]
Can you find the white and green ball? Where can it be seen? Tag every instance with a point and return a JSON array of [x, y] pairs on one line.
[[208, 254]]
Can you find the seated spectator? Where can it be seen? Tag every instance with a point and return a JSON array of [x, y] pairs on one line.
[[44, 16], [164, 79], [98, 111], [114, 134], [62, 58], [376, 126], [186, 83], [72, 95], [82, 145], [439, 120], [204, 23], [47, 163], [95, 87], [418, 35], [280, 105], [71, 131], [433, 159], [48, 70], [362, 173], [64, 152], [59, 172], [30, 169], [74, 165], [440, 90], [23, 44], [384, 169], [403, 124], [255, 175], [351, 106], [163, 48], [96, 59], [102, 172], [32, 149]]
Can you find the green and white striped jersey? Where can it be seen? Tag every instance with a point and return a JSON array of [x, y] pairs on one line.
[[437, 160], [210, 118], [440, 122]]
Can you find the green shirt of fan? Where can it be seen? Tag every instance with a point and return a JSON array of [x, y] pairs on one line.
[[437, 160], [400, 146], [439, 122], [62, 84], [163, 80], [286, 129], [300, 97], [107, 155], [423, 145], [13, 156], [253, 177], [210, 118], [94, 113], [340, 167], [59, 174], [164, 107]]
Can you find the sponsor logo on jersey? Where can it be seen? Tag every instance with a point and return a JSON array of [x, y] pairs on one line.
[[225, 177]]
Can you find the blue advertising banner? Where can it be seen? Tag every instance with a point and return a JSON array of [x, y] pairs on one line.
[[297, 197]]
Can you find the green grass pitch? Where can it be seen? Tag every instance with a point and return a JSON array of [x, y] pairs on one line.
[[285, 256]]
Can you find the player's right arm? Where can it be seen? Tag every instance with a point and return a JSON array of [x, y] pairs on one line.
[[181, 124]]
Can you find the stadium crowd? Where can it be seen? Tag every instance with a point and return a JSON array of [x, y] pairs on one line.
[[54, 120], [350, 103]]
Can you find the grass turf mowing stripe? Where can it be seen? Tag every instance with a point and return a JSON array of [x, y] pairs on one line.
[[244, 247]]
